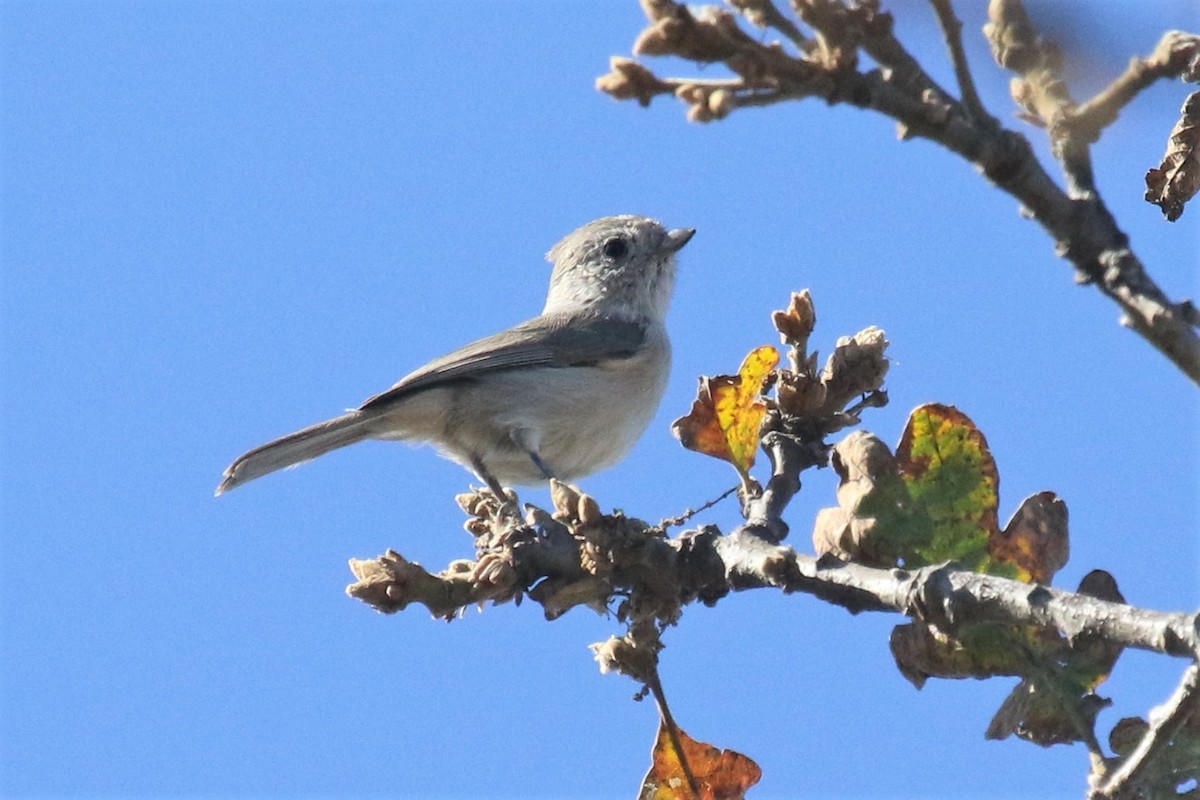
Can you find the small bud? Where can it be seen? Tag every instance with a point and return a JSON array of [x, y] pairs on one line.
[[796, 324], [469, 502], [658, 9], [721, 102], [691, 93], [659, 39], [565, 499], [589, 510], [699, 113], [477, 527]]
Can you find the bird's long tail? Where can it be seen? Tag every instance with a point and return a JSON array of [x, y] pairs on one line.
[[296, 448]]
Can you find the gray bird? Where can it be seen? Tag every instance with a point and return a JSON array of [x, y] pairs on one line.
[[563, 395]]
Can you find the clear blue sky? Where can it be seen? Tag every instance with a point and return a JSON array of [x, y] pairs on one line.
[[224, 221]]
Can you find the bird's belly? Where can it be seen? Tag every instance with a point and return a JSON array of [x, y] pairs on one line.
[[579, 420]]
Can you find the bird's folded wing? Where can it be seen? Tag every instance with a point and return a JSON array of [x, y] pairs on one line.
[[551, 340]]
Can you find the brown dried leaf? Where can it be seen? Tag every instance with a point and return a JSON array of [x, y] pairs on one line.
[[1176, 180], [1035, 540], [857, 366]]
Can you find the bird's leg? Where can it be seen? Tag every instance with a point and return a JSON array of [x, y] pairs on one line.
[[541, 465], [488, 478], [493, 485], [527, 440]]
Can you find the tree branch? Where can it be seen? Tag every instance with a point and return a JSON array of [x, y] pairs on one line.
[[952, 29], [1183, 706], [1083, 229], [704, 565], [1175, 53]]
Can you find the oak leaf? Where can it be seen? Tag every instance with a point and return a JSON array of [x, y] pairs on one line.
[[728, 411], [720, 774]]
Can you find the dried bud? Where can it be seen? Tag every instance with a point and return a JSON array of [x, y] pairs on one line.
[[460, 566], [864, 464], [722, 21], [477, 527], [589, 510], [699, 113], [692, 93], [1014, 42], [799, 395], [1178, 53], [472, 503], [629, 80], [713, 37], [658, 9], [565, 499], [796, 324], [494, 570], [1025, 96], [721, 102], [660, 39], [624, 656], [609, 653]]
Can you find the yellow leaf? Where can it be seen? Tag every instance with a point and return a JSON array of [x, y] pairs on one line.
[[728, 411]]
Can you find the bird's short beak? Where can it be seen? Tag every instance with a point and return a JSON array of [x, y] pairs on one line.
[[677, 238]]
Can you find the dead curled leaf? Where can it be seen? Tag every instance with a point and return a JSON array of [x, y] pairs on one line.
[[1176, 180], [857, 365]]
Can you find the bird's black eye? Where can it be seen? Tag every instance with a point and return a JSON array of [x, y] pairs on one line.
[[616, 248]]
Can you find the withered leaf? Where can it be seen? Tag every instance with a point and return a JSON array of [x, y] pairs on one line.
[[720, 774], [1035, 539], [1176, 180]]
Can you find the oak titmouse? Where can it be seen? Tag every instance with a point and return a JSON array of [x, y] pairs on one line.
[[563, 395]]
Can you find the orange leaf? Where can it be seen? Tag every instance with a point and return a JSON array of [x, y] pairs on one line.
[[720, 774], [728, 412]]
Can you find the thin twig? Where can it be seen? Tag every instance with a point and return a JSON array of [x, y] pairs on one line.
[[766, 13], [952, 29], [1082, 228], [675, 522], [1170, 58], [1181, 707]]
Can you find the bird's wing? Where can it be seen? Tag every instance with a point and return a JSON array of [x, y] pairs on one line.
[[551, 340]]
